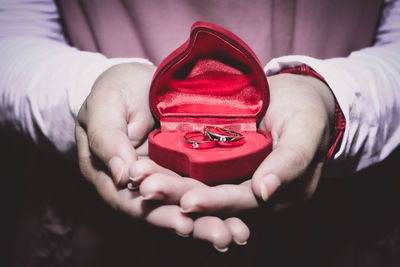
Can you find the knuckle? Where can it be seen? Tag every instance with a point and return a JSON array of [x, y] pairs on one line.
[[89, 102], [84, 166], [101, 137], [298, 158], [144, 166], [96, 137], [82, 114], [151, 184]]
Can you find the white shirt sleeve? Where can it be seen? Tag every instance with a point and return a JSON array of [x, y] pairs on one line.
[[43, 80], [366, 85]]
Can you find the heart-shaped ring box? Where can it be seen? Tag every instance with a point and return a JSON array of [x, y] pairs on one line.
[[213, 79]]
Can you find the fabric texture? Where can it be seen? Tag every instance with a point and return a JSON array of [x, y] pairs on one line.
[[43, 122], [153, 29]]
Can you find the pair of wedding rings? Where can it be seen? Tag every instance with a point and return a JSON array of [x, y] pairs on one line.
[[212, 136]]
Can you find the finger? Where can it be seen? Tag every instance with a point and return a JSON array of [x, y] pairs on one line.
[[222, 199], [168, 188], [106, 128], [164, 216], [170, 217], [129, 202], [87, 163], [296, 147], [145, 167], [239, 230], [213, 230], [299, 191]]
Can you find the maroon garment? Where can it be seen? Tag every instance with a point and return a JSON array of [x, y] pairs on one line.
[[153, 28]]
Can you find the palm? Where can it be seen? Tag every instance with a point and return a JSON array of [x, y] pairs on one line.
[[300, 132], [297, 159]]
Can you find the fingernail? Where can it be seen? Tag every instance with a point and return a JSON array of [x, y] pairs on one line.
[[269, 185], [264, 192], [189, 210], [240, 243], [117, 168], [223, 250], [136, 178], [154, 196], [182, 235]]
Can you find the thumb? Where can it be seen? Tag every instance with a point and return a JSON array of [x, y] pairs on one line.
[[107, 133], [296, 146]]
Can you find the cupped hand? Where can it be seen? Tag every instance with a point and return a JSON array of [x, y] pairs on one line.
[[111, 131], [300, 118], [160, 185]]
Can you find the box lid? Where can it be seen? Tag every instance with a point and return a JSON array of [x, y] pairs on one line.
[[214, 74]]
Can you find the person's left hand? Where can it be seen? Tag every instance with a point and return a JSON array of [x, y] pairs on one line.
[[300, 118]]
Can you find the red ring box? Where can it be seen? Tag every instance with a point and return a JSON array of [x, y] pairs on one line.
[[213, 79]]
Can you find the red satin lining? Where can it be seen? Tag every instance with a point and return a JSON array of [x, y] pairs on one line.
[[214, 79], [190, 124]]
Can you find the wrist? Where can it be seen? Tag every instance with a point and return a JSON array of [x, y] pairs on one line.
[[336, 118]]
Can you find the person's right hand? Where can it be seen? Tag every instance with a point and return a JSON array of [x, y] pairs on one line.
[[111, 131]]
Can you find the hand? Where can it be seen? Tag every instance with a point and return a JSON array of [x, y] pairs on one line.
[[160, 185], [299, 117], [111, 131]]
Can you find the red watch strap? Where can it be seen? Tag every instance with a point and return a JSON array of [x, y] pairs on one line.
[[304, 70], [338, 130], [339, 120]]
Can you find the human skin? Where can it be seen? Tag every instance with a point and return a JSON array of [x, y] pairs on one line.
[[111, 131], [300, 118]]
